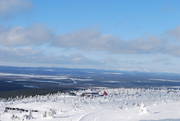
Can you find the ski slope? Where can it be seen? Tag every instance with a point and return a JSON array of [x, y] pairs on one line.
[[120, 105]]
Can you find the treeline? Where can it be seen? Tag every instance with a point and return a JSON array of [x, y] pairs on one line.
[[34, 92]]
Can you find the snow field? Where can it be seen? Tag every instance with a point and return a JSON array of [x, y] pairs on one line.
[[120, 105]]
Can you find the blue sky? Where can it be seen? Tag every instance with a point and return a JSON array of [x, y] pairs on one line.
[[127, 18], [118, 34]]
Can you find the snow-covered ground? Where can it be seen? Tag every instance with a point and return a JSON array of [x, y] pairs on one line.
[[120, 105]]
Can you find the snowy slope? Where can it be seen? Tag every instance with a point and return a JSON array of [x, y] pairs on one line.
[[119, 105]]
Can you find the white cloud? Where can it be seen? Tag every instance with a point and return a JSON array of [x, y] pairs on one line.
[[36, 56], [90, 40], [11, 6], [31, 36], [87, 39], [38, 45]]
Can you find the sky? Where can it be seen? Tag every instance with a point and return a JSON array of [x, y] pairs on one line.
[[135, 35]]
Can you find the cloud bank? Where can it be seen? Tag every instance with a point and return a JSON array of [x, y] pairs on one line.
[[8, 7], [91, 40], [39, 45], [31, 36]]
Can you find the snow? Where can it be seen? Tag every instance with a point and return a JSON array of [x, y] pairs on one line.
[[54, 78], [35, 76], [165, 80], [120, 105]]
